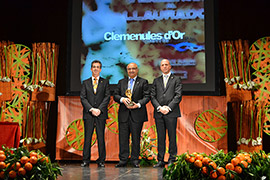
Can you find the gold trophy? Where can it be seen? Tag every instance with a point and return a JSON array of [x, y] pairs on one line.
[[129, 94]]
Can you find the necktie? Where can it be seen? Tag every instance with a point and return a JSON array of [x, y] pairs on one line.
[[131, 83], [165, 80], [95, 85]]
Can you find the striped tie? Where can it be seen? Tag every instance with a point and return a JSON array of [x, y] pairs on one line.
[[95, 85]]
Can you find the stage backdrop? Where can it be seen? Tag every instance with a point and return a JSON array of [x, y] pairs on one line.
[[202, 127]]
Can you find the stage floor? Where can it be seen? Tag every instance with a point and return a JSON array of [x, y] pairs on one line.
[[73, 171]]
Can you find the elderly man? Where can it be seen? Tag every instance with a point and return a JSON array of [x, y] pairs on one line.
[[132, 94]]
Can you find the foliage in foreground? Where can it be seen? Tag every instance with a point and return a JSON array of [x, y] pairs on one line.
[[20, 164], [240, 165]]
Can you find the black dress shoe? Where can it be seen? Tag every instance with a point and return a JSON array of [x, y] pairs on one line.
[[101, 164], [121, 164], [160, 164], [84, 164]]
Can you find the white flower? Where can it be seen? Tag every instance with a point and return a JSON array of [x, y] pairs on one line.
[[5, 79], [263, 178], [240, 86], [232, 80], [244, 86], [259, 140], [254, 142], [46, 83], [237, 78], [235, 86], [243, 140], [1, 94], [247, 141], [238, 142], [226, 80]]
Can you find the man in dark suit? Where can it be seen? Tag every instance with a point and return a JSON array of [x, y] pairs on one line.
[[166, 94], [132, 114], [95, 96]]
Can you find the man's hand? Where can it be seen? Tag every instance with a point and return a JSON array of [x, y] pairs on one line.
[[96, 112], [126, 101], [164, 110], [135, 106]]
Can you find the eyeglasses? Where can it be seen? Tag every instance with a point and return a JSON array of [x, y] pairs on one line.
[[131, 69]]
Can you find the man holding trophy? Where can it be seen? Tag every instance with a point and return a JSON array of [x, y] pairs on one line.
[[132, 93]]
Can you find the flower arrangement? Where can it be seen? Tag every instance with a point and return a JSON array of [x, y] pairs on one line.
[[221, 166], [147, 151], [237, 65], [32, 116], [256, 116], [21, 164]]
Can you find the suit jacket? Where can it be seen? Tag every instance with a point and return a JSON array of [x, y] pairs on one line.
[[140, 94], [170, 96], [99, 100]]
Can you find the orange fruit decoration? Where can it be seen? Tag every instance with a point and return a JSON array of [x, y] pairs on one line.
[[28, 166], [187, 157], [213, 174], [12, 174], [33, 153], [2, 165], [2, 157], [22, 171], [229, 166], [16, 166], [191, 159], [235, 161], [33, 160], [199, 157], [2, 152], [244, 163], [2, 175], [45, 158], [206, 160], [241, 157], [24, 159], [198, 163], [221, 170], [248, 159], [222, 177], [204, 170], [213, 164], [238, 169]]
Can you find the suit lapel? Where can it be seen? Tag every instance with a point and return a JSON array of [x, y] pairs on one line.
[[136, 84], [161, 82], [125, 84], [100, 81], [90, 86]]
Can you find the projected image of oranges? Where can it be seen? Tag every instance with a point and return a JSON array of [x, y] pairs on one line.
[[211, 125]]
